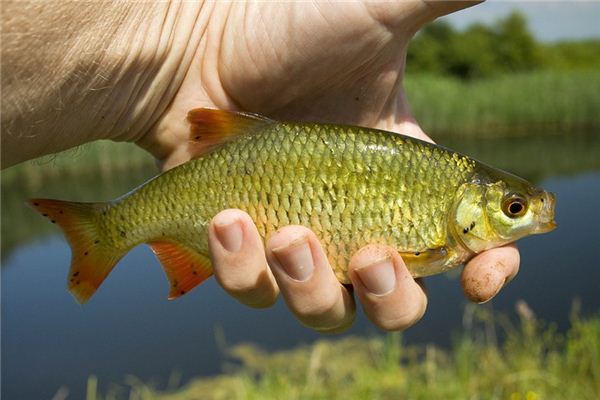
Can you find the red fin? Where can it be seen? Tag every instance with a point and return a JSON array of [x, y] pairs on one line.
[[91, 259], [184, 267], [210, 128]]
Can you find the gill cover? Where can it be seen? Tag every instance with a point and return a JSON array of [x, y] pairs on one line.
[[470, 225], [488, 215]]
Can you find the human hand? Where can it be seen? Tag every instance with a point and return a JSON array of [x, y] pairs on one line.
[[314, 61], [346, 68]]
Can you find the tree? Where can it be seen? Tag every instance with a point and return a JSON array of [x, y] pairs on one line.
[[517, 49]]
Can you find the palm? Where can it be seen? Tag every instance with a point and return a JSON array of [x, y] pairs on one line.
[[321, 62], [327, 62]]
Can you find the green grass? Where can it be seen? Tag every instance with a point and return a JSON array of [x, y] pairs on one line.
[[533, 362], [542, 102]]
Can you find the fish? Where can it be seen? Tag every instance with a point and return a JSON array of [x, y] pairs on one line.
[[351, 185]]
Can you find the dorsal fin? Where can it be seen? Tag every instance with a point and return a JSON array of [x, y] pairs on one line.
[[210, 128]]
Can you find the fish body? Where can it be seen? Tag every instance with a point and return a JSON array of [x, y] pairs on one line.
[[351, 185]]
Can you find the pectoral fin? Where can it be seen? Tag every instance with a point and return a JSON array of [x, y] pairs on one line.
[[427, 262]]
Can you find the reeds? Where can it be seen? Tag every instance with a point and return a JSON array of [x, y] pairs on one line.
[[542, 102]]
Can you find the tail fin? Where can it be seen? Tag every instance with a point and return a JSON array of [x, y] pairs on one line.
[[91, 258]]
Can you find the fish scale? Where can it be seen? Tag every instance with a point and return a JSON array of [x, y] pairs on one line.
[[352, 186], [289, 184]]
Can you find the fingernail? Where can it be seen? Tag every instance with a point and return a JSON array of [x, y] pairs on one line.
[[229, 233], [296, 259], [378, 277]]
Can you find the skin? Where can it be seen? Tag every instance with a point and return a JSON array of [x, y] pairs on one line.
[[134, 70]]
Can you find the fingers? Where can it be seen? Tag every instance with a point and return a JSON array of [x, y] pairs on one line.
[[486, 273], [298, 265], [390, 297], [307, 281], [238, 259]]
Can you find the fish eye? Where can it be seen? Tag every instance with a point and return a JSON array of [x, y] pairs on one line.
[[514, 206]]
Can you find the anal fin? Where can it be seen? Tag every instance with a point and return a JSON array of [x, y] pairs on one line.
[[184, 267]]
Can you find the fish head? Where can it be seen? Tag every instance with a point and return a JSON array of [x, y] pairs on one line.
[[491, 213]]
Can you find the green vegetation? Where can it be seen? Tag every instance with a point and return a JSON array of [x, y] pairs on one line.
[[104, 158], [543, 102], [94, 172], [534, 362], [498, 80], [505, 47]]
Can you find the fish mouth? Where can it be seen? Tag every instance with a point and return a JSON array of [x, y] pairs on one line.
[[546, 222]]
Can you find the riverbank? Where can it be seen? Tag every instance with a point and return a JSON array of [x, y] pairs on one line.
[[531, 361]]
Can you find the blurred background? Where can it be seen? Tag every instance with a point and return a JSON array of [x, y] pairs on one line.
[[514, 85]]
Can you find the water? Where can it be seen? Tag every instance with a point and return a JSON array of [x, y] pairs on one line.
[[129, 328]]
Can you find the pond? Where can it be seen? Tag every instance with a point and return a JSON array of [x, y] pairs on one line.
[[130, 329]]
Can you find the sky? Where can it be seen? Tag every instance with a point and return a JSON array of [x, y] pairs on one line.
[[548, 20]]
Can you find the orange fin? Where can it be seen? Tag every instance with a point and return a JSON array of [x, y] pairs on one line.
[[211, 128], [91, 258], [185, 268]]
